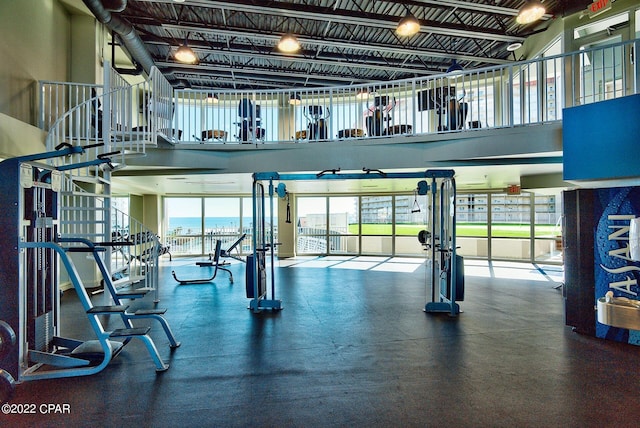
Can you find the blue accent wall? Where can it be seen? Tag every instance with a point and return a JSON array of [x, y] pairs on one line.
[[602, 140]]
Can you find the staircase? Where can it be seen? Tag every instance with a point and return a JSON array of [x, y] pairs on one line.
[[112, 122]]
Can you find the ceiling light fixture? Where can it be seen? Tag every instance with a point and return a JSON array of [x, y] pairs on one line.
[[185, 54], [408, 26], [288, 44], [454, 68], [514, 46], [295, 100], [530, 12]]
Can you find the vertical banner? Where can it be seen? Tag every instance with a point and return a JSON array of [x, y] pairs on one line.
[[616, 273]]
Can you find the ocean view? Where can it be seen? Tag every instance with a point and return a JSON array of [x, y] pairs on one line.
[[193, 225]]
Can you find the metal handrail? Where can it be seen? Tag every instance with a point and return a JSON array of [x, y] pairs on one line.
[[522, 93]]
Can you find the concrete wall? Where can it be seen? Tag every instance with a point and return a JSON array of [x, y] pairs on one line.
[[35, 46], [505, 248]]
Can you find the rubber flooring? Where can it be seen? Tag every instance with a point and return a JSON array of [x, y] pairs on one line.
[[351, 348]]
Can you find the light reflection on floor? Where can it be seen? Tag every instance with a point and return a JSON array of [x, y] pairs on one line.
[[479, 268]]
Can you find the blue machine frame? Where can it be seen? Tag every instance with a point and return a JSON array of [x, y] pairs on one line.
[[257, 275], [30, 345], [444, 264]]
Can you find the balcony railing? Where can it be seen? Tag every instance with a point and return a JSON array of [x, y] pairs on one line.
[[116, 118], [522, 93]]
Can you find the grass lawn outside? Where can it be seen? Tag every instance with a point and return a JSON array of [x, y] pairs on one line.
[[499, 230]]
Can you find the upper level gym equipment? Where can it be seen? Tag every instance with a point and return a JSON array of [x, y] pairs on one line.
[[380, 115], [250, 129], [317, 117]]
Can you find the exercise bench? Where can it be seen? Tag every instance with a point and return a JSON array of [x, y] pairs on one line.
[[215, 263]]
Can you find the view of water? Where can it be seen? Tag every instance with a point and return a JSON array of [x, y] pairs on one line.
[[193, 225]]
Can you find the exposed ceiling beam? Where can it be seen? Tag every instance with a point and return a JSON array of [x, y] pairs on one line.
[[476, 7], [217, 69], [303, 58], [341, 44], [298, 11]]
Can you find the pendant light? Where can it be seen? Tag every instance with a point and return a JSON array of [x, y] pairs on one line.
[[455, 68], [408, 26], [295, 99], [185, 54], [530, 12], [288, 44]]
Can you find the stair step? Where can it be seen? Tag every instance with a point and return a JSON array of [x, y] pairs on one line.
[[107, 309], [127, 280], [140, 292], [158, 311], [128, 332]]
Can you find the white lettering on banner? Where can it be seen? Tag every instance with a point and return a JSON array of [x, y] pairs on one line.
[[622, 253], [621, 233], [624, 286], [617, 235]]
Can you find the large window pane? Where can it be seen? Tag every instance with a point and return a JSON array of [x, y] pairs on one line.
[[221, 222], [510, 215], [472, 224], [411, 214], [312, 225], [247, 222], [183, 218], [344, 225], [410, 218], [377, 225], [510, 226], [548, 228], [377, 215], [247, 225]]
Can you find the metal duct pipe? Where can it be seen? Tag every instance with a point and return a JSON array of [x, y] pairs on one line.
[[115, 5], [125, 30]]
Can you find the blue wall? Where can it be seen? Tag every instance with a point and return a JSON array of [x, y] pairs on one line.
[[602, 140]]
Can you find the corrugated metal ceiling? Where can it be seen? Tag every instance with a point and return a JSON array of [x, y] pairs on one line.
[[343, 41]]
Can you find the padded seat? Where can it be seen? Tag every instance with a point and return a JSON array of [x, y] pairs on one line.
[[214, 134], [398, 129], [351, 133]]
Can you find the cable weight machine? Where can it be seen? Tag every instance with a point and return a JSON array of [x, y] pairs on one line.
[[257, 276], [440, 244], [32, 253], [445, 268]]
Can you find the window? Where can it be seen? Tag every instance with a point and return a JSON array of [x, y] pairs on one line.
[[221, 222], [497, 226], [344, 225], [184, 225], [312, 225], [192, 225], [410, 218]]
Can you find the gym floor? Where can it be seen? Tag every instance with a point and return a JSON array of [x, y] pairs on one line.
[[352, 347]]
